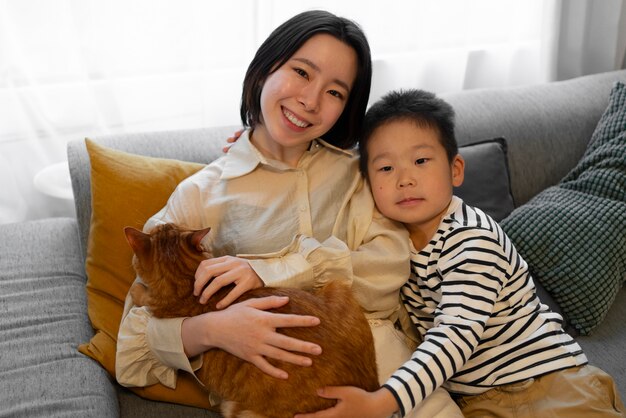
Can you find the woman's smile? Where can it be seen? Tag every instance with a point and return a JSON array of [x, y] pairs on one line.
[[294, 119]]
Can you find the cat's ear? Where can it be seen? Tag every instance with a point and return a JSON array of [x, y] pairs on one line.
[[197, 237], [137, 240]]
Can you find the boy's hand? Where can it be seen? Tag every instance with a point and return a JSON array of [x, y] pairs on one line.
[[232, 140], [353, 402]]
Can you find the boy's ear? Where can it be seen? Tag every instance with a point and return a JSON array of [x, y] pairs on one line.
[[458, 170]]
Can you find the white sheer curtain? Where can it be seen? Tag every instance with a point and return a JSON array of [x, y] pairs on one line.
[[76, 68], [592, 37]]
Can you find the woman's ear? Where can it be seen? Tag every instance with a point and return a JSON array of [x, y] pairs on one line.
[[458, 170]]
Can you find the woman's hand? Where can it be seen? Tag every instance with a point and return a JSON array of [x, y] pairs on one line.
[[354, 402], [247, 331], [222, 271], [232, 140]]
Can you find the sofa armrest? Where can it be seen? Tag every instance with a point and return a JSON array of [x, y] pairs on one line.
[[43, 320]]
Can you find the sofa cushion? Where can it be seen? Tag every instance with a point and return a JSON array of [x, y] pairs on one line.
[[43, 318], [126, 189], [605, 347], [201, 145], [486, 183], [133, 406], [573, 235]]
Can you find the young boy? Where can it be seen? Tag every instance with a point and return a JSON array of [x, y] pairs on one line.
[[486, 337]]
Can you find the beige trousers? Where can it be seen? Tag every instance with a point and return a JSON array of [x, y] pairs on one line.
[[393, 349], [579, 392]]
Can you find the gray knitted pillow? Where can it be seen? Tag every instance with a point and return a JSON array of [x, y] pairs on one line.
[[573, 235]]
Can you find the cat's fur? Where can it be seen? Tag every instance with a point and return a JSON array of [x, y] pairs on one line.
[[166, 260]]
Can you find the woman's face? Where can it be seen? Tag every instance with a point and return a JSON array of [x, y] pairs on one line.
[[303, 98]]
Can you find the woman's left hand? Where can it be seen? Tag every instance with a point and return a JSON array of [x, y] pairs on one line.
[[222, 271], [354, 402]]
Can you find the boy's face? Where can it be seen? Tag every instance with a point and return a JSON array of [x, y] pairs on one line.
[[410, 175]]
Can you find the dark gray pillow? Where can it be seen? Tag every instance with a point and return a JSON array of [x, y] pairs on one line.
[[487, 185]]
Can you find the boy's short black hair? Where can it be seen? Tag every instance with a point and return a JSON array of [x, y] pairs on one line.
[[283, 42], [419, 106]]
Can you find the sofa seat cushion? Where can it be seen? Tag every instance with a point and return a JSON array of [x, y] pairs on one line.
[[43, 318], [132, 406], [604, 348]]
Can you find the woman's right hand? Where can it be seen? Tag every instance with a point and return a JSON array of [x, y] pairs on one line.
[[257, 340]]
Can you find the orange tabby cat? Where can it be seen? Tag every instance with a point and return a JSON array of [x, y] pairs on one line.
[[166, 260]]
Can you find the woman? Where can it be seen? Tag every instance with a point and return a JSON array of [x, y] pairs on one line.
[[292, 201]]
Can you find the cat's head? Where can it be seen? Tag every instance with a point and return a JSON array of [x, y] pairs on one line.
[[166, 252]]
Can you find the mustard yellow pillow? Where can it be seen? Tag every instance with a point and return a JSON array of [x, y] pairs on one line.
[[126, 189]]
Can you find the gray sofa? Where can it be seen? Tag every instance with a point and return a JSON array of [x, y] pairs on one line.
[[43, 312]]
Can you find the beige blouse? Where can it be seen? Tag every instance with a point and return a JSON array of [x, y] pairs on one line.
[[298, 226]]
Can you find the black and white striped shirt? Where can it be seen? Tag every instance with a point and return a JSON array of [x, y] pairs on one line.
[[473, 301]]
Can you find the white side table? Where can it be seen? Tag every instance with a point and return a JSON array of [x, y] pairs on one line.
[[55, 183]]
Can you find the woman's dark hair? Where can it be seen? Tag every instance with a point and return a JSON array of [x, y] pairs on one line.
[[283, 42], [421, 107]]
